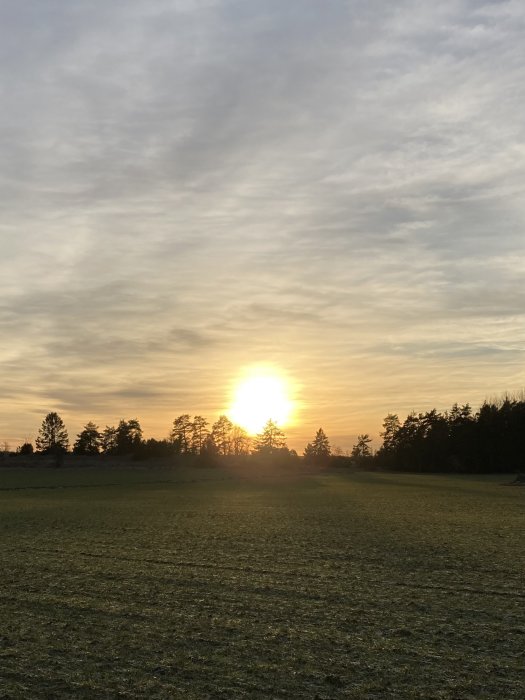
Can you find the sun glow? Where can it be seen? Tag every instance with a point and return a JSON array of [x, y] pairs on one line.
[[259, 397]]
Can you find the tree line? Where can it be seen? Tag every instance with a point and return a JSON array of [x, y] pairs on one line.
[[189, 437], [490, 440]]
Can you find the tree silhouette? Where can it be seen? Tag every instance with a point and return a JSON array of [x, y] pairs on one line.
[[228, 438], [240, 442], [461, 434], [52, 436], [391, 426], [361, 449], [221, 434], [88, 442], [181, 432], [108, 440], [492, 440], [318, 451], [270, 440], [129, 436], [25, 449], [198, 434]]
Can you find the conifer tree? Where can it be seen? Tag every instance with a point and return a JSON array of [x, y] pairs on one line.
[[221, 434], [199, 434], [181, 432], [88, 442], [270, 440], [361, 449], [318, 451]]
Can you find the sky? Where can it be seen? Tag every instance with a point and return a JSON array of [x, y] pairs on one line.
[[189, 188]]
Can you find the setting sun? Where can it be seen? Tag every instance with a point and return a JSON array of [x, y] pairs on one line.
[[259, 397]]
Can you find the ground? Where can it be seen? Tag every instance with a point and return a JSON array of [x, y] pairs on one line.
[[158, 583]]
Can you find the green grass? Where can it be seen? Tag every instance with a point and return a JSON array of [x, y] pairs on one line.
[[141, 583]]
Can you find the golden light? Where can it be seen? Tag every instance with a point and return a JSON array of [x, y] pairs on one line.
[[260, 396]]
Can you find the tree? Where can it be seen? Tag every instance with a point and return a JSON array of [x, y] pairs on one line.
[[199, 434], [154, 448], [491, 440], [228, 438], [240, 442], [128, 436], [108, 440], [221, 434], [270, 440], [391, 426], [462, 441], [318, 451], [209, 448], [52, 436], [89, 441], [180, 434], [25, 449], [361, 451]]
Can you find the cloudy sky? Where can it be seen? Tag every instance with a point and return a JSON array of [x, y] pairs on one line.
[[190, 187]]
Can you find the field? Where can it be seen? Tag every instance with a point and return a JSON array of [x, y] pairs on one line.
[[149, 583]]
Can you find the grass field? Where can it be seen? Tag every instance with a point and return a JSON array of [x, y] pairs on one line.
[[140, 583]]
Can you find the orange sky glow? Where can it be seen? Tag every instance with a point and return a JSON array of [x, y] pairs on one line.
[[191, 190]]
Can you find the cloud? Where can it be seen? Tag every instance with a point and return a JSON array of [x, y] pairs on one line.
[[191, 187]]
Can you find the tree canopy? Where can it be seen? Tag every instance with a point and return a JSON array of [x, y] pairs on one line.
[[489, 440], [271, 439], [89, 441], [318, 451], [52, 435]]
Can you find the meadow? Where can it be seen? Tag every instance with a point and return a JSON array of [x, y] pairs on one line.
[[158, 583]]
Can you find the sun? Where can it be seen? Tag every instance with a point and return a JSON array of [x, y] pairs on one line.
[[260, 396]]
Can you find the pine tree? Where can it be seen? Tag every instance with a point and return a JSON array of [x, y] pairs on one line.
[[391, 428], [88, 442], [361, 451], [108, 440], [318, 451], [128, 436], [270, 440], [180, 434], [221, 434], [199, 434]]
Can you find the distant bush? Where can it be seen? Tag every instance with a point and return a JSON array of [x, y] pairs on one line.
[[25, 449]]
